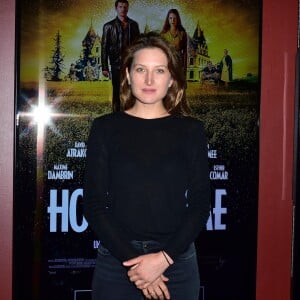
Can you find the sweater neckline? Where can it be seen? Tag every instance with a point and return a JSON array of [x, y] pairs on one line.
[[146, 120]]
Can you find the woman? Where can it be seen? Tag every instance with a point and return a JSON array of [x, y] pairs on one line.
[[174, 32], [146, 183], [226, 67]]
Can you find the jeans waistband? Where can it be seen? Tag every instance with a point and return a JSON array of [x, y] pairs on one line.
[[147, 246]]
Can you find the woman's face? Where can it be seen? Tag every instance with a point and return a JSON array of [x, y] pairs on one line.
[[173, 19], [149, 76]]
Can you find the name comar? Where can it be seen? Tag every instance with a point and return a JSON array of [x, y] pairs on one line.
[[218, 175], [76, 152]]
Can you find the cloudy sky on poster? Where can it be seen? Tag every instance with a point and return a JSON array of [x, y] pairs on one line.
[[232, 24]]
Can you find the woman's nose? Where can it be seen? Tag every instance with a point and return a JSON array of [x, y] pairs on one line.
[[149, 78]]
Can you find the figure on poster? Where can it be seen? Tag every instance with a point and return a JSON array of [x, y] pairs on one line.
[[210, 72], [79, 69], [147, 191], [117, 35], [72, 73], [89, 72], [97, 71], [175, 33], [226, 67]]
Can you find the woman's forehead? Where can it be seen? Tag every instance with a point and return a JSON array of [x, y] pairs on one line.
[[149, 54]]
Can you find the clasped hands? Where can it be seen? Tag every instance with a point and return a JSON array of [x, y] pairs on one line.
[[146, 272]]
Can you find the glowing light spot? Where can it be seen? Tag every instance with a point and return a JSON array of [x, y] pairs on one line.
[[41, 114]]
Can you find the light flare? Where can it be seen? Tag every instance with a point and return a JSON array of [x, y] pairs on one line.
[[41, 114]]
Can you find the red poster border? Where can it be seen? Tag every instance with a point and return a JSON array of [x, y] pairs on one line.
[[7, 113], [279, 48]]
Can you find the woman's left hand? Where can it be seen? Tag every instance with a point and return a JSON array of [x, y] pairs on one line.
[[146, 268], [157, 289]]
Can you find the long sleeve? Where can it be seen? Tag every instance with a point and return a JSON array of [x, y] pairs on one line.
[[198, 194], [97, 204], [104, 47]]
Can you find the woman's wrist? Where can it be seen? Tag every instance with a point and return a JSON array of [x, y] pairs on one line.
[[167, 258]]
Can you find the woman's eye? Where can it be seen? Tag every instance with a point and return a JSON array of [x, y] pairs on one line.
[[160, 71], [140, 69]]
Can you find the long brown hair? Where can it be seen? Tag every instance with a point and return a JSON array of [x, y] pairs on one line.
[[175, 100], [167, 26]]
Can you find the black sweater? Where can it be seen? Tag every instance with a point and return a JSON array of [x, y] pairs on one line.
[[146, 179]]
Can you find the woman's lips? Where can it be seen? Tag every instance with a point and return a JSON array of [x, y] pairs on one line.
[[148, 90]]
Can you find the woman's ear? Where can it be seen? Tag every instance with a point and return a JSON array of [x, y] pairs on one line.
[[127, 75]]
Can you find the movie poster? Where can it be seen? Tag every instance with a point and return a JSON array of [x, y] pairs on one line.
[[61, 89]]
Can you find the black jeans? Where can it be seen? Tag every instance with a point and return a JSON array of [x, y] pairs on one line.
[[110, 281]]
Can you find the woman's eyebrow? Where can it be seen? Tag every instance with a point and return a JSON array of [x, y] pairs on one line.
[[138, 64]]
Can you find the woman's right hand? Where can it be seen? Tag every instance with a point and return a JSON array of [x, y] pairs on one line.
[[157, 289], [146, 268]]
